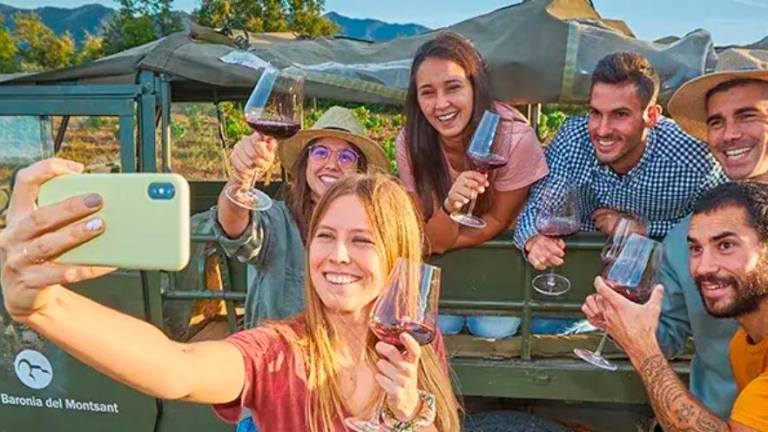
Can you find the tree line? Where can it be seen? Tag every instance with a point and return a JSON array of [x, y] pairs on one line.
[[33, 47]]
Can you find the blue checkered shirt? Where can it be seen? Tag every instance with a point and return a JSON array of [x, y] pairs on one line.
[[662, 188]]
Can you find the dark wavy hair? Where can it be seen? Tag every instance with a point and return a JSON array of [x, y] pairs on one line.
[[751, 196], [626, 67], [430, 170]]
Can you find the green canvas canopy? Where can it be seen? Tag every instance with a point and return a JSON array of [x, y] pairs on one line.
[[536, 51]]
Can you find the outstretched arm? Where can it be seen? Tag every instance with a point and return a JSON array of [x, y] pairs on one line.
[[127, 349], [138, 354]]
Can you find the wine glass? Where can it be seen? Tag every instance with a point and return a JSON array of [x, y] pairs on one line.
[[483, 160], [274, 109], [408, 304], [557, 215], [632, 274], [608, 255]]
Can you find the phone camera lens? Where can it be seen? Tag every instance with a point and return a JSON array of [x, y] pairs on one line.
[[161, 191]]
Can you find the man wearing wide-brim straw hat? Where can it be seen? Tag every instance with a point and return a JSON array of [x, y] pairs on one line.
[[688, 106], [728, 109]]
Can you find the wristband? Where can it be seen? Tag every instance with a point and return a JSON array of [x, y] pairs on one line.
[[425, 416]]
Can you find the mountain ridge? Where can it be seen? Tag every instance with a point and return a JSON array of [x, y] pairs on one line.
[[373, 29], [90, 18], [77, 21]]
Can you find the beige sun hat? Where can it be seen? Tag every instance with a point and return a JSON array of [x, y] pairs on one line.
[[688, 105], [340, 123]]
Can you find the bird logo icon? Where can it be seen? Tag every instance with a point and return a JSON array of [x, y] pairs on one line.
[[33, 369]]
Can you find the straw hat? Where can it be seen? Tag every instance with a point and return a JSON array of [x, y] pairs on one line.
[[340, 123], [688, 106]]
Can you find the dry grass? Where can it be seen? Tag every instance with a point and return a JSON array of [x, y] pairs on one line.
[[197, 151], [89, 140]]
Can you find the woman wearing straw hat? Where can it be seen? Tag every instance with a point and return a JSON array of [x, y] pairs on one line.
[[273, 240]]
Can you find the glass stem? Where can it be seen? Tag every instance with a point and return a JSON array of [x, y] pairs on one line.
[[471, 208], [251, 183], [601, 345], [551, 277], [254, 179]]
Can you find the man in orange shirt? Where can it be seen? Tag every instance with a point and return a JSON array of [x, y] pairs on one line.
[[728, 243]]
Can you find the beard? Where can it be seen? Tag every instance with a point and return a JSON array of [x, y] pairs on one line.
[[750, 291]]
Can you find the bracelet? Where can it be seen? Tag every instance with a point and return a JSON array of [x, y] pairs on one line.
[[423, 418]]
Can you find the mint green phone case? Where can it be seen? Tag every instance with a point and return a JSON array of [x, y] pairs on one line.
[[146, 226]]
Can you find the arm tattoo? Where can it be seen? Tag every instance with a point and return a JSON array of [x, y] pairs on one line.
[[675, 408]]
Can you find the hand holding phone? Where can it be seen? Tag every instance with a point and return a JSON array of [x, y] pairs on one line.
[[146, 219]]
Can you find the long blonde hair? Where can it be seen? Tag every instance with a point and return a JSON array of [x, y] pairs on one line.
[[398, 232]]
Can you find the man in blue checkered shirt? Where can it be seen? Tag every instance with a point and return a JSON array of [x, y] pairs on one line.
[[625, 158]]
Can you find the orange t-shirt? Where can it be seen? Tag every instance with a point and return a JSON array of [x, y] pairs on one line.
[[750, 368]]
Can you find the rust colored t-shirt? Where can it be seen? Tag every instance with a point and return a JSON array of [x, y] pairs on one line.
[[750, 368], [275, 388]]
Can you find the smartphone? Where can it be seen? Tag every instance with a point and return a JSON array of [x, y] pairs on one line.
[[146, 218]]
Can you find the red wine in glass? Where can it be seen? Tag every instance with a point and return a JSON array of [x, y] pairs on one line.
[[487, 162], [274, 109], [637, 293], [558, 226], [280, 129], [423, 333], [407, 304], [631, 273], [484, 160], [550, 283], [557, 216]]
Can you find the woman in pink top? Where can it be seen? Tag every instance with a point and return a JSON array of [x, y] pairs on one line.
[[305, 374], [447, 96]]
